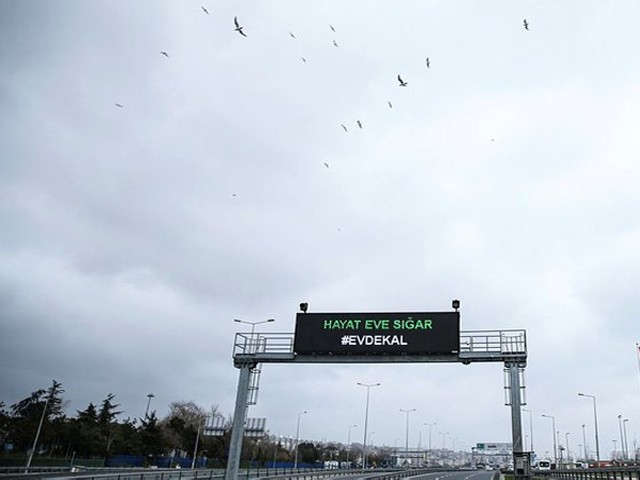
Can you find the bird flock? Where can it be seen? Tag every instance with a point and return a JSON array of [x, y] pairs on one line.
[[239, 28]]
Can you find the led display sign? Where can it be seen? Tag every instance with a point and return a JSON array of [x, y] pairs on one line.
[[413, 333]]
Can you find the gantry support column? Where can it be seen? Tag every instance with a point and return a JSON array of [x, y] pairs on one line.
[[521, 459], [239, 417]]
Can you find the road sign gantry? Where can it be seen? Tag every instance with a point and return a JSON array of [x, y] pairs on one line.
[[384, 341]]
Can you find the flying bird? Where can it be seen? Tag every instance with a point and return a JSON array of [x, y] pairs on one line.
[[304, 307], [332, 29], [428, 63], [402, 82], [292, 35], [326, 164], [119, 105], [390, 104], [345, 128], [359, 123], [335, 44], [526, 24], [304, 59], [165, 54], [238, 27], [205, 10], [234, 194]]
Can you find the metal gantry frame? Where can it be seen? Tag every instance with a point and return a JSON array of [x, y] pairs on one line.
[[506, 346]]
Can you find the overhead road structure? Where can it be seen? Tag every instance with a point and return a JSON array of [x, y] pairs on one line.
[[392, 338], [504, 346]]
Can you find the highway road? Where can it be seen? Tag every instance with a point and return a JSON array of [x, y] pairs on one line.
[[457, 475]]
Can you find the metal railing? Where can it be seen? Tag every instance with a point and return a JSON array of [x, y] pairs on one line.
[[607, 473], [501, 342], [60, 473], [263, 343], [475, 345]]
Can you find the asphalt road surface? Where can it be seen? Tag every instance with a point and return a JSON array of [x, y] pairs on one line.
[[457, 475]]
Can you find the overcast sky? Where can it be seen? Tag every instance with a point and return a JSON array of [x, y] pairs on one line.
[[506, 174]]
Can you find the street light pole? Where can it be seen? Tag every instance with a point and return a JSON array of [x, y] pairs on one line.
[[555, 444], [349, 442], [253, 344], [530, 429], [626, 443], [406, 432], [584, 444], [368, 386], [429, 450], [566, 442], [35, 440], [444, 435], [295, 463], [146, 412], [621, 436], [195, 449], [595, 420]]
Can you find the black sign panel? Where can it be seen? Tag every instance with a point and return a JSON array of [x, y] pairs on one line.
[[412, 333]]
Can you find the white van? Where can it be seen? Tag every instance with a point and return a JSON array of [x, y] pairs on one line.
[[544, 465]]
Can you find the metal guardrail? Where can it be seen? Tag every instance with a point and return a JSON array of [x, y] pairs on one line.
[[392, 474], [64, 473], [607, 473], [84, 473]]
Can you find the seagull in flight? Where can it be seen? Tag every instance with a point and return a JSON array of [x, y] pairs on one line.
[[402, 82], [205, 10], [326, 164], [304, 59], [345, 128], [238, 27], [390, 104], [526, 24], [359, 123], [292, 35], [165, 54], [119, 105], [428, 63], [335, 44], [332, 29]]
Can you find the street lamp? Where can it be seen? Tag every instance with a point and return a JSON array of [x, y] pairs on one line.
[[530, 429], [595, 420], [444, 435], [429, 449], [252, 343], [146, 412], [368, 386], [626, 442], [295, 463], [35, 440], [555, 447], [195, 449], [406, 431], [349, 441], [621, 436]]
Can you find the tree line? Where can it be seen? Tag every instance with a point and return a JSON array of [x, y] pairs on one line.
[[97, 432]]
